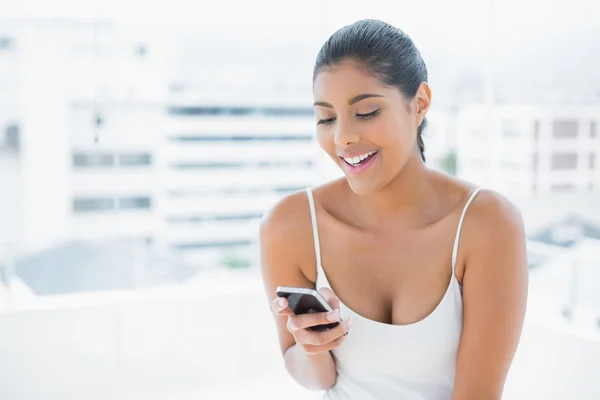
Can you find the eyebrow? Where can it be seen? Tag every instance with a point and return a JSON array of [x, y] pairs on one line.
[[353, 100]]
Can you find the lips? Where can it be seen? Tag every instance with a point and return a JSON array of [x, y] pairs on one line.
[[357, 158], [362, 164]]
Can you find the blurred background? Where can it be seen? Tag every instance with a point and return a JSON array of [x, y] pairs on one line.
[[141, 142]]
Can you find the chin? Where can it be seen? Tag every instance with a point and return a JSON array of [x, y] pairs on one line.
[[363, 187]]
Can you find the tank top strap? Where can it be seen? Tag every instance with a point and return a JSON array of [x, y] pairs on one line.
[[313, 217], [458, 230]]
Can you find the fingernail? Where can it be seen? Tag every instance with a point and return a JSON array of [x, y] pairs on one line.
[[281, 302], [333, 316], [349, 322]]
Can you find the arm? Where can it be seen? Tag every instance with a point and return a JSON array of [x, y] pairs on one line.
[[283, 236], [494, 296]]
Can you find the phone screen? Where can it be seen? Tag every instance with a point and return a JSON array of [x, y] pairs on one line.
[[302, 303]]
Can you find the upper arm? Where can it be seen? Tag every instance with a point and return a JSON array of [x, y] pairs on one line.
[[283, 246], [494, 296]]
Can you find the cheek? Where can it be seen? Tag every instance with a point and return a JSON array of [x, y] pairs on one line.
[[394, 138], [398, 134], [384, 133]]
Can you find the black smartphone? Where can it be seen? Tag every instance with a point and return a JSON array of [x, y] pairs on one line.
[[304, 301]]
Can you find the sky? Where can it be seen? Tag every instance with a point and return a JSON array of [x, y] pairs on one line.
[[457, 26], [452, 35], [447, 20]]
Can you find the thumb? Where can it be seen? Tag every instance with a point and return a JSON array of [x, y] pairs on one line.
[[330, 297]]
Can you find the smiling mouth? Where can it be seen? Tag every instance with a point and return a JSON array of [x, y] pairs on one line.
[[360, 160]]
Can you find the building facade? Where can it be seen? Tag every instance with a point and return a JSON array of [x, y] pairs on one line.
[[527, 150], [223, 164]]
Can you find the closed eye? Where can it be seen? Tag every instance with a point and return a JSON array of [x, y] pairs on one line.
[[325, 121], [369, 115]]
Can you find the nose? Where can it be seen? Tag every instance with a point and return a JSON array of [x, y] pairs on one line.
[[345, 134]]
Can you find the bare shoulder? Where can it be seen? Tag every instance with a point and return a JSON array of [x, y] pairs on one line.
[[286, 231], [493, 227], [286, 218], [289, 218], [286, 242], [492, 212]]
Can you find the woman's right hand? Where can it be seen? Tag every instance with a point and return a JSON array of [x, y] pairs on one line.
[[314, 342]]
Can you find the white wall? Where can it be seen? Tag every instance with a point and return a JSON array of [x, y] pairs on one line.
[[179, 343], [45, 140]]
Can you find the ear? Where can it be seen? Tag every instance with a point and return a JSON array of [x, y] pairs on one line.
[[422, 101]]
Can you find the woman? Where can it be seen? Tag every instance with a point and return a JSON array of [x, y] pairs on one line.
[[428, 273]]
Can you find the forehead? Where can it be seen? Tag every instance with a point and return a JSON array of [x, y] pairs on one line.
[[345, 81]]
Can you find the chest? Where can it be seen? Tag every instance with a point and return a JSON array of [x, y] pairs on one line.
[[391, 276]]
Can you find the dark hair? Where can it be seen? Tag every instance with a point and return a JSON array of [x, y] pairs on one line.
[[385, 52]]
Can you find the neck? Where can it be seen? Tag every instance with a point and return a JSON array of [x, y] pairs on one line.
[[410, 192]]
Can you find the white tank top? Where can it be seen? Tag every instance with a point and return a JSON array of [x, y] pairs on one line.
[[379, 361]]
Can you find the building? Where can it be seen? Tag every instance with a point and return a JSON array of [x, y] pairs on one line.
[[80, 124], [530, 150], [224, 162], [101, 152]]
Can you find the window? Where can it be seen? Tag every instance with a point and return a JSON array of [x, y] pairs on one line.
[[564, 161], [141, 51], [12, 137], [134, 203], [237, 191], [534, 162], [565, 128], [592, 160], [233, 217], [103, 160], [93, 160], [234, 165], [135, 159], [205, 245], [536, 131], [6, 43], [216, 138], [593, 127], [241, 111], [93, 204], [563, 188]]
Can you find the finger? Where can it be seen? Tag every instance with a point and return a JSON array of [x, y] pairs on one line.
[[279, 306], [324, 337], [303, 321], [330, 297], [316, 349]]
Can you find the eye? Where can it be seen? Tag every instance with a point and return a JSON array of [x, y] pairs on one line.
[[325, 121], [369, 115]]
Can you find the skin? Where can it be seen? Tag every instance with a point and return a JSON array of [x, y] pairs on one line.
[[387, 236]]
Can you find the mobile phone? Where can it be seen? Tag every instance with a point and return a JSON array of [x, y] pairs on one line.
[[304, 301]]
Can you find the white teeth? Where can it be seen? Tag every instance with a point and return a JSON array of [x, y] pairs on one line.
[[358, 159]]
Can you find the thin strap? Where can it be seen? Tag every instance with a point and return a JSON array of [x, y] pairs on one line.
[[313, 217], [460, 222]]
